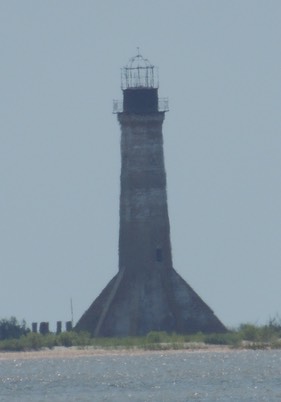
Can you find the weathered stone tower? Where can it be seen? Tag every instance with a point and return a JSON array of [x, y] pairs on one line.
[[147, 293]]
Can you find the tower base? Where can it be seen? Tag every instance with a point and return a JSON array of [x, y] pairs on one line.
[[135, 303]]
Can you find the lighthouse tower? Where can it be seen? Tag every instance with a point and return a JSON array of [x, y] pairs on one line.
[[147, 293]]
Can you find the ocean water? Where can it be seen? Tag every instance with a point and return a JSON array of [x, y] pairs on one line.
[[178, 376]]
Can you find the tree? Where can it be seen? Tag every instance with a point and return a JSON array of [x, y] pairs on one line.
[[11, 328]]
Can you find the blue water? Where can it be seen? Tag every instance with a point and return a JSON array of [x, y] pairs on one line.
[[178, 376]]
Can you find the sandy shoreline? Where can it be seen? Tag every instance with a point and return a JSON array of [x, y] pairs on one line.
[[74, 352]]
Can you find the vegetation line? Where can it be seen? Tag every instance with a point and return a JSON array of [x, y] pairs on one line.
[[15, 336]]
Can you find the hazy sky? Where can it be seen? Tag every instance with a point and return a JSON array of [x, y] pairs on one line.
[[220, 66]]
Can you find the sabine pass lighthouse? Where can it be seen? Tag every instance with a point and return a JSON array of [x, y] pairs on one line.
[[147, 294]]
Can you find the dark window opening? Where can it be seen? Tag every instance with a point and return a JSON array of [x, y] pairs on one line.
[[159, 256]]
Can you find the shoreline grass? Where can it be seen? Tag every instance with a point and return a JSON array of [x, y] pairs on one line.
[[247, 336]]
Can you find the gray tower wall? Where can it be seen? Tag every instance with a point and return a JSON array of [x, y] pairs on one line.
[[144, 237]]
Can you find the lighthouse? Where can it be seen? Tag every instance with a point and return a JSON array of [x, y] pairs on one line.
[[146, 294]]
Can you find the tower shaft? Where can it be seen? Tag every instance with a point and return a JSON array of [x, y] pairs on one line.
[[144, 235]]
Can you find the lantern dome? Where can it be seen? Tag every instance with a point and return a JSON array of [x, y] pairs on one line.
[[139, 73]]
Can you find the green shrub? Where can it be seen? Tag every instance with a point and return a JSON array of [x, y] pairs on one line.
[[49, 340], [249, 332], [32, 341], [198, 337], [228, 338], [156, 337], [83, 339], [68, 339], [12, 345]]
